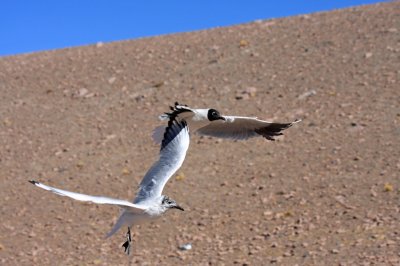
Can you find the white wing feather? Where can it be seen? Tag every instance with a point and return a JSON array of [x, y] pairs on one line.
[[241, 128], [172, 154], [95, 199]]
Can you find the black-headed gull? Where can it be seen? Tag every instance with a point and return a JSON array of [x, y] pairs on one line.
[[210, 122], [149, 202]]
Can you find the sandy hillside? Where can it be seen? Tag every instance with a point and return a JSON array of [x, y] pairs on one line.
[[327, 193]]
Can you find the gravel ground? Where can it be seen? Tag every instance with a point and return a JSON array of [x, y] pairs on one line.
[[326, 193]]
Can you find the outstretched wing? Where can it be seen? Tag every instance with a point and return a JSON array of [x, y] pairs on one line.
[[241, 128], [95, 199], [172, 154]]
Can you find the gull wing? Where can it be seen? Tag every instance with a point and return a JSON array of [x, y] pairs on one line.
[[95, 199], [241, 128], [172, 154], [178, 112]]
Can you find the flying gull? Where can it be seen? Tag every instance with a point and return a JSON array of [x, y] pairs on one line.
[[210, 122], [149, 202]]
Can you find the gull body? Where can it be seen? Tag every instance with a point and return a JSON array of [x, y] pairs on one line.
[[149, 202]]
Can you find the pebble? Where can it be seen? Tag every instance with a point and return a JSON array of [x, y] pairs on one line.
[[307, 94], [82, 92], [368, 55], [276, 260], [187, 246], [388, 187], [334, 251], [112, 80]]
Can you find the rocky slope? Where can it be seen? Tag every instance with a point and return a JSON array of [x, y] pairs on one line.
[[327, 193]]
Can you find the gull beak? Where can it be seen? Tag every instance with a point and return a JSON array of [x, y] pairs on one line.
[[222, 118], [178, 207]]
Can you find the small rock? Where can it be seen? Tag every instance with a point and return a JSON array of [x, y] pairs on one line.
[[185, 247], [125, 171], [334, 251], [7, 122], [373, 192], [80, 164], [246, 94], [307, 94], [159, 84], [287, 254], [388, 187], [241, 96], [243, 43], [340, 199], [89, 95], [251, 91], [180, 176], [268, 213], [82, 92], [276, 260], [368, 55]]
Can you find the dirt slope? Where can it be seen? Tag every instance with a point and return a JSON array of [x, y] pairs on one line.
[[327, 193]]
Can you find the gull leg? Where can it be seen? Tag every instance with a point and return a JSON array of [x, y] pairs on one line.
[[127, 244]]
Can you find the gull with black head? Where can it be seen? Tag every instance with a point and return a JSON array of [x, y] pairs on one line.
[[209, 122], [149, 202]]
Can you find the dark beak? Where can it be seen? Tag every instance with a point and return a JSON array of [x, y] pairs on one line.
[[222, 118], [178, 207]]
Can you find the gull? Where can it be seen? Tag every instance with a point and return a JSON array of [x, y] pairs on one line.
[[209, 122], [149, 202]]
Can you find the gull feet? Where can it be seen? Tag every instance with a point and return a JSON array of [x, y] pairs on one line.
[[127, 244]]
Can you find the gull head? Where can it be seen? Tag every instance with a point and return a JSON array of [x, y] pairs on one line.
[[168, 203], [213, 114]]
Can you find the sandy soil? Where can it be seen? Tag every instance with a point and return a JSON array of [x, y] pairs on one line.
[[327, 193]]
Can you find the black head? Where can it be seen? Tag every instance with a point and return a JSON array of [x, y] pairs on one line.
[[170, 204], [214, 115]]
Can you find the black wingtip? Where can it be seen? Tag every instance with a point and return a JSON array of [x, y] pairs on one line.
[[33, 182], [274, 129], [172, 130], [175, 111]]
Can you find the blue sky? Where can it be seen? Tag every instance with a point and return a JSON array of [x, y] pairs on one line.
[[29, 26]]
